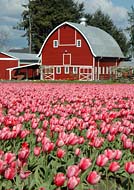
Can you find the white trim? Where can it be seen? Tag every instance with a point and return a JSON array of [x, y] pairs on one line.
[[93, 70], [9, 55], [7, 59], [86, 76], [66, 54], [103, 70], [12, 68], [59, 27]]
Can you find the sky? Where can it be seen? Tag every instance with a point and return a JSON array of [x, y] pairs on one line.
[[11, 10]]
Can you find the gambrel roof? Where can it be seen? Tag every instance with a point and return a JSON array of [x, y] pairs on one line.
[[100, 42]]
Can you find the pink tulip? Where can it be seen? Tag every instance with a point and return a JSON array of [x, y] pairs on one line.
[[127, 143], [59, 179], [93, 178], [9, 157], [37, 150], [110, 154], [73, 171], [101, 160], [77, 151], [24, 174], [129, 167], [114, 166], [118, 154], [73, 182], [10, 173], [85, 163]]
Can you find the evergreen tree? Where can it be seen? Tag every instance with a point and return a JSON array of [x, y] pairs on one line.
[[131, 30], [103, 21], [42, 16]]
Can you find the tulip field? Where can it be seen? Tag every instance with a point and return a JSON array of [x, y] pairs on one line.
[[61, 136]]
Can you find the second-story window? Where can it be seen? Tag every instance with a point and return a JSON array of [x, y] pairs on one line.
[[55, 43], [78, 43]]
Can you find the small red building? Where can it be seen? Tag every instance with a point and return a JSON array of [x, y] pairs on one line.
[[6, 61], [79, 52], [18, 66]]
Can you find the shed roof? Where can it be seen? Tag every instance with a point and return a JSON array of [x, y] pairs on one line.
[[23, 56], [100, 42]]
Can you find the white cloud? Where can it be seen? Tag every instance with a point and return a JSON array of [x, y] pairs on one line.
[[11, 7], [117, 13]]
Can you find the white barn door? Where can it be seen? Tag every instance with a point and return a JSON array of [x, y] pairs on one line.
[[86, 73]]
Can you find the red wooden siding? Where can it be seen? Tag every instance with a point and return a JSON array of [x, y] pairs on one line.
[[4, 64], [66, 35], [54, 56], [2, 55]]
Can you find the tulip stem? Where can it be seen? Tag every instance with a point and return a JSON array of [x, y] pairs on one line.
[[106, 179]]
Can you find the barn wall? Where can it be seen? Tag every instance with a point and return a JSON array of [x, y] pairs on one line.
[[66, 36], [107, 68], [2, 55], [4, 64]]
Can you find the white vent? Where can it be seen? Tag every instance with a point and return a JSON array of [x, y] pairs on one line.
[[83, 21]]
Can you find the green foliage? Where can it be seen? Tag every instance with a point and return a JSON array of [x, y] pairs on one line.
[[44, 15], [103, 21], [130, 29]]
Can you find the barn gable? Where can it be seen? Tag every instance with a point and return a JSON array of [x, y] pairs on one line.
[[100, 42]]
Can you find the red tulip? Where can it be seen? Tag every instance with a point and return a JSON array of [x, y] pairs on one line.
[[114, 166], [10, 173], [9, 157], [60, 153], [93, 178], [73, 182], [101, 160], [85, 163], [129, 167], [59, 179]]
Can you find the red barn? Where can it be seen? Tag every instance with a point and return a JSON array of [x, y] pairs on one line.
[[79, 52], [6, 61]]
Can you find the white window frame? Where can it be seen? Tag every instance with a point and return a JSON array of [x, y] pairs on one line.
[[58, 70], [55, 43], [75, 70], [78, 43], [107, 70], [66, 70], [103, 70]]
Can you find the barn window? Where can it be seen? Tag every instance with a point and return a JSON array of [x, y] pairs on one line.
[[78, 43], [58, 70], [75, 70], [55, 43], [66, 70], [107, 70]]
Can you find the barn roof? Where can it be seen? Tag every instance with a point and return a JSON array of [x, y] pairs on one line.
[[24, 56], [100, 42]]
